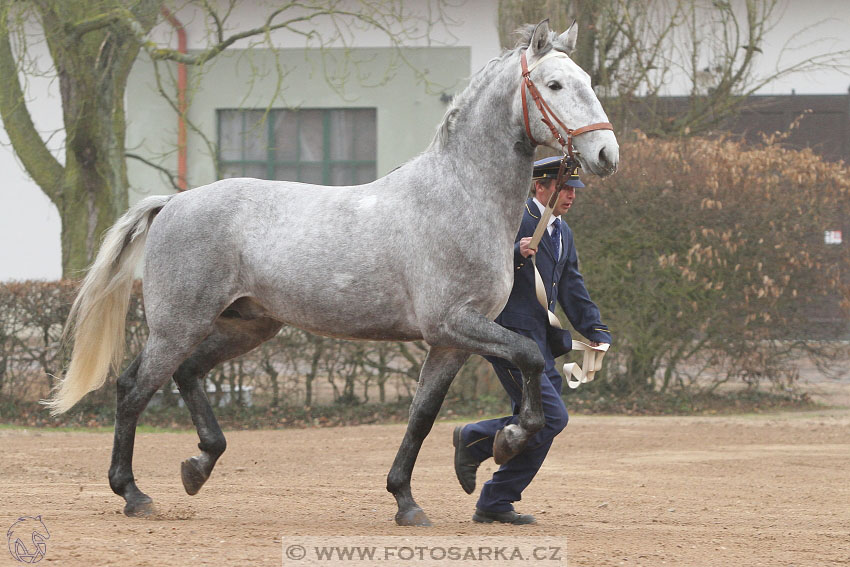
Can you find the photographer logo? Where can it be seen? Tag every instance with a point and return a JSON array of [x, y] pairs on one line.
[[27, 539]]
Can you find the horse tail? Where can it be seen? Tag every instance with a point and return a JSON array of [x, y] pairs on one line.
[[99, 312]]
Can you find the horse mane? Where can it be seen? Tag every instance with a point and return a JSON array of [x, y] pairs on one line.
[[461, 101]]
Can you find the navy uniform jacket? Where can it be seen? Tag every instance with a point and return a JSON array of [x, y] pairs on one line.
[[563, 283]]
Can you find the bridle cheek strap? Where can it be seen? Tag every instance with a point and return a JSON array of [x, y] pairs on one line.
[[546, 113]]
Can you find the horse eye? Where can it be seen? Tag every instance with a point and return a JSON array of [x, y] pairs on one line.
[[554, 85]]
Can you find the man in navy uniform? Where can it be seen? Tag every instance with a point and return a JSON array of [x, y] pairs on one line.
[[557, 263]]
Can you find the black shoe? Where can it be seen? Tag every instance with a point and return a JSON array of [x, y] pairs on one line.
[[465, 464], [509, 517]]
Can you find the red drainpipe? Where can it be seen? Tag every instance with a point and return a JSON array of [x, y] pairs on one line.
[[181, 99]]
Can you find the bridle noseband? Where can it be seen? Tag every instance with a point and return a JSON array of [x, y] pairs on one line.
[[547, 113]]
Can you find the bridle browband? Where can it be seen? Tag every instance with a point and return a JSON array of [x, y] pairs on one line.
[[547, 113]]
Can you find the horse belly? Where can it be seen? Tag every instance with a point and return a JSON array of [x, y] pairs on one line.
[[341, 305]]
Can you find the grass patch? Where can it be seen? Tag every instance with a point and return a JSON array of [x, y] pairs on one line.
[[100, 418], [683, 403], [95, 429]]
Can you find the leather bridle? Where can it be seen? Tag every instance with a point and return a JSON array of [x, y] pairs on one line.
[[547, 114], [592, 355]]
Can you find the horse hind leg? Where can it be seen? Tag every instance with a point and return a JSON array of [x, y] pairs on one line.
[[148, 372], [232, 337], [439, 369]]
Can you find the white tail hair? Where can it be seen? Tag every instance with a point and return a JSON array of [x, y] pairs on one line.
[[99, 312]]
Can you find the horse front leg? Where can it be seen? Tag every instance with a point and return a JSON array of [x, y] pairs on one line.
[[439, 369], [511, 439], [469, 330]]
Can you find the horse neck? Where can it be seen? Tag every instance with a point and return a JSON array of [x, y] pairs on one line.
[[487, 147]]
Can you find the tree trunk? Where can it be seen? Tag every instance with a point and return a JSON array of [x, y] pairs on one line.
[[87, 208], [641, 365], [314, 369], [587, 18], [93, 73]]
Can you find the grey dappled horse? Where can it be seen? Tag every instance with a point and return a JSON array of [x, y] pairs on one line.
[[425, 252]]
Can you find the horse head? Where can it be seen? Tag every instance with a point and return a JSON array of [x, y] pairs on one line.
[[565, 88]]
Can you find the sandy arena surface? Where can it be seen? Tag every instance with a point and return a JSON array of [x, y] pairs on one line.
[[690, 491]]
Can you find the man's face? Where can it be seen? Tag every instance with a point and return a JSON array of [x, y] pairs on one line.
[[544, 189]]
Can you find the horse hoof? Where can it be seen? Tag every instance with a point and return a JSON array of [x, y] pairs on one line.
[[193, 476], [507, 444], [412, 517], [139, 508]]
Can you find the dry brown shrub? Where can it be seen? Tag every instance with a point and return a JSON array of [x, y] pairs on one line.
[[707, 257]]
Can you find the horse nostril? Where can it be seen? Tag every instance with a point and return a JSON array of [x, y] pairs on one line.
[[609, 158]]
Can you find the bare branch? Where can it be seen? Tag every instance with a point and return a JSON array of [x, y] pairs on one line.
[[211, 146], [165, 171], [217, 20], [166, 54], [100, 21]]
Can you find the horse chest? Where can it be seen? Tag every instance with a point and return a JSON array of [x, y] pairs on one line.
[[487, 285]]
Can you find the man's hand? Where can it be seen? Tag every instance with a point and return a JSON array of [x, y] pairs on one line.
[[524, 249], [595, 343]]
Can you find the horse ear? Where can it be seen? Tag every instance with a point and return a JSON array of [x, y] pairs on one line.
[[567, 40], [540, 38]]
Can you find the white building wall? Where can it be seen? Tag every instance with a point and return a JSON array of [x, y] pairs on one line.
[[29, 222], [472, 23]]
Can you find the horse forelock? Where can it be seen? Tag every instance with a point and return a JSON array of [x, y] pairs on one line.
[[525, 32]]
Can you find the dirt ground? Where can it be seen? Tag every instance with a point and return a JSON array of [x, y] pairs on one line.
[[744, 490]]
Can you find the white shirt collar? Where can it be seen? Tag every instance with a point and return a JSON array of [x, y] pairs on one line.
[[542, 207]]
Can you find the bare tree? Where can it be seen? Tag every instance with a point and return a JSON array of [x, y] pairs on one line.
[[632, 49]]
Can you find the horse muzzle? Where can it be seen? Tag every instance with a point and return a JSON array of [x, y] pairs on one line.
[[598, 152]]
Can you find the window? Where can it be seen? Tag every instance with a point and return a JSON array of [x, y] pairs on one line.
[[321, 146]]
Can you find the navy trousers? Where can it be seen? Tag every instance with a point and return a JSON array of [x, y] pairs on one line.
[[507, 484]]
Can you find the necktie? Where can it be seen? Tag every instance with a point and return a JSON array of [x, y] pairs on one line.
[[556, 239]]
